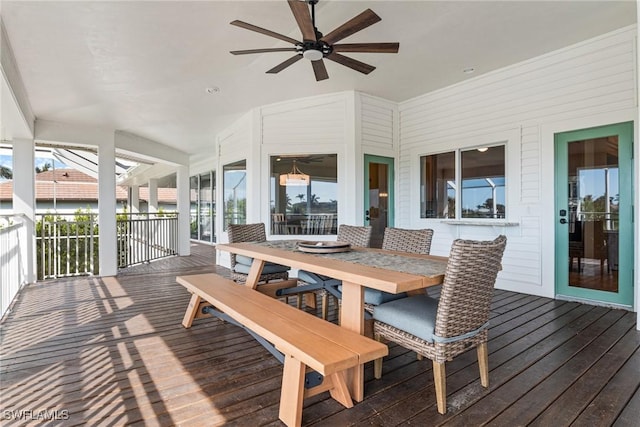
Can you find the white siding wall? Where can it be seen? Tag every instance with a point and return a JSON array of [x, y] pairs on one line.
[[317, 125], [378, 126], [377, 133], [589, 84], [234, 144]]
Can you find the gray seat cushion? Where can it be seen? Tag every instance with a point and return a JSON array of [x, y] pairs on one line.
[[376, 297], [243, 265], [267, 269], [244, 260], [415, 315]]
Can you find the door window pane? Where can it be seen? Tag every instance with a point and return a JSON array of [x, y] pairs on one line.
[[235, 193], [378, 209], [593, 213], [298, 207]]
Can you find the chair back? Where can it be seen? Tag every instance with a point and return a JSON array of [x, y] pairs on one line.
[[357, 235], [245, 233], [411, 241], [468, 285]]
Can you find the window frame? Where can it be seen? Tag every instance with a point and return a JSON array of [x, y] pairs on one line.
[[512, 139], [290, 154]]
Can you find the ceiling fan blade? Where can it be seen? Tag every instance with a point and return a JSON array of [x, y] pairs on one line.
[[264, 31], [360, 22], [285, 64], [275, 49], [303, 18], [367, 47], [351, 63], [320, 70]]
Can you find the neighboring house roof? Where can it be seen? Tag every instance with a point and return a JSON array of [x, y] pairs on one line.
[[73, 185]]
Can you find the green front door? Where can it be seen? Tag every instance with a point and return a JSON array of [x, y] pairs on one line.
[[594, 214], [378, 196]]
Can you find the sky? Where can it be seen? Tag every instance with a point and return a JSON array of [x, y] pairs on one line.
[[6, 161]]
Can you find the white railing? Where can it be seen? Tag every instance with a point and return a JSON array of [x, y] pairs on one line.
[[143, 237], [66, 245], [12, 275]]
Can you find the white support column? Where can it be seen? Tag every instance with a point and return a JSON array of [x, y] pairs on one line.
[[134, 199], [107, 209], [24, 201], [153, 195], [182, 194]]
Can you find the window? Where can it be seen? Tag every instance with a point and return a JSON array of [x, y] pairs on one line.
[[482, 193], [438, 191], [207, 216], [203, 208], [193, 209], [235, 193], [304, 193]]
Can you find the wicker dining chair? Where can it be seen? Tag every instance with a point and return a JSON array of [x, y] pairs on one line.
[[325, 285], [442, 329], [399, 240], [410, 241], [240, 265]]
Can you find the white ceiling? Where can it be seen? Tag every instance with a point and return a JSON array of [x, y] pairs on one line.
[[143, 66]]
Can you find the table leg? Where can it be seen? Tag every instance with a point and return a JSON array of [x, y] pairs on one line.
[[254, 273], [352, 318]]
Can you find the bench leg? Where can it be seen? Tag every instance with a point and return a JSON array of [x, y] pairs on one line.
[[292, 393], [339, 390], [192, 311]]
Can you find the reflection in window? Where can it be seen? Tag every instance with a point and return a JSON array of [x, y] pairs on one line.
[[235, 193], [438, 184], [298, 208], [482, 193], [483, 183]]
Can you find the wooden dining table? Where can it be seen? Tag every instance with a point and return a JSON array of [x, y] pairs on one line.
[[388, 271]]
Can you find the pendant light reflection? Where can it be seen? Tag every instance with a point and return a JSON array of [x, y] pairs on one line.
[[294, 178]]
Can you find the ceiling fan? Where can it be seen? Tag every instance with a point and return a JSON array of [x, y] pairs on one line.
[[315, 46]]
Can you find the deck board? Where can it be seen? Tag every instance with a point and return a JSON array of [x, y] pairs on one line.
[[112, 351]]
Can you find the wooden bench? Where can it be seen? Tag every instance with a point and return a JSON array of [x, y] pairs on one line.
[[308, 343]]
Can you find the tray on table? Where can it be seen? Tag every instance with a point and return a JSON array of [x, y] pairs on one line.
[[323, 247]]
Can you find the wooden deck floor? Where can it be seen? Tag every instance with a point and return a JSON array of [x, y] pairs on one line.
[[112, 352]]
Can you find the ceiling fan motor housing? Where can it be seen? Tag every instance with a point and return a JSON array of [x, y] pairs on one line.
[[315, 50]]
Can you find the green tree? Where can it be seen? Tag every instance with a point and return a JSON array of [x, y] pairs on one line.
[[44, 168], [6, 172]]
